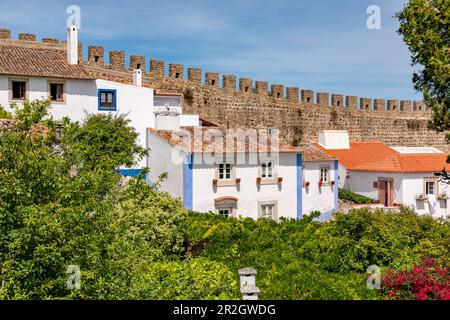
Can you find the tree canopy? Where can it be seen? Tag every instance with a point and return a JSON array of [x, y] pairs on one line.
[[424, 25]]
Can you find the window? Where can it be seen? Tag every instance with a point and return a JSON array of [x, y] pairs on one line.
[[225, 171], [325, 174], [213, 82], [268, 210], [225, 212], [19, 90], [57, 92], [430, 187], [107, 100], [266, 169]]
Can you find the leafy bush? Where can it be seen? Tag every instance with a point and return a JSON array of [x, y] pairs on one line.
[[311, 260], [5, 114], [61, 206], [345, 194]]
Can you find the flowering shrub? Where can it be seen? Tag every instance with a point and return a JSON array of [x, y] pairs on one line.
[[428, 281]]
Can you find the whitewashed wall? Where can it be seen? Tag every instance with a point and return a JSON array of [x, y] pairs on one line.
[[160, 161], [406, 188], [315, 197], [248, 191], [81, 98], [413, 185]]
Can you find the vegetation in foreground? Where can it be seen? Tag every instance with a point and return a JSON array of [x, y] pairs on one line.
[[63, 203]]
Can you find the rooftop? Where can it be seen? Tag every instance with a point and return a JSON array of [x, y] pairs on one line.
[[374, 156], [203, 139], [38, 62]]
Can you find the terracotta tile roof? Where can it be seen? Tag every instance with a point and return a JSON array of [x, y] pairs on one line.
[[38, 62], [200, 141], [160, 92], [377, 157]]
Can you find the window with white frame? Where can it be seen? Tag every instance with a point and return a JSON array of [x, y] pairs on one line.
[[266, 169], [430, 187], [268, 210], [325, 174], [225, 212], [225, 170]]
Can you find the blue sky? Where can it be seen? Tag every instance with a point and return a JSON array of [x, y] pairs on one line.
[[323, 45]]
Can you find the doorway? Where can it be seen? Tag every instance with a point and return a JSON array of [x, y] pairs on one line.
[[386, 192]]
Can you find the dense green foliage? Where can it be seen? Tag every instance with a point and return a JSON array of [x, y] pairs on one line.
[[311, 260], [5, 114], [348, 195], [425, 27], [62, 206]]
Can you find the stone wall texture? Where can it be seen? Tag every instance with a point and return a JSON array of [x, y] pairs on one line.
[[299, 121], [257, 104]]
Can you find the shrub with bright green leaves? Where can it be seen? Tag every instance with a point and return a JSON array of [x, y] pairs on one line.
[[348, 195]]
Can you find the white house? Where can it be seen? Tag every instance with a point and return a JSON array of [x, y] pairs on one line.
[[391, 176], [252, 181], [29, 72]]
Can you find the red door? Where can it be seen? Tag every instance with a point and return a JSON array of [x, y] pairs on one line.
[[386, 193]]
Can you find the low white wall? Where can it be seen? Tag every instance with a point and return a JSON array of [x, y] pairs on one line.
[[189, 120]]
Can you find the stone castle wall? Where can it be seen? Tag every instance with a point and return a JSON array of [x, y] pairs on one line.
[[299, 114]]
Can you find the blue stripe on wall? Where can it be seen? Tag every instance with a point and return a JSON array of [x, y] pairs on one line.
[[187, 182], [336, 184], [299, 186], [129, 172]]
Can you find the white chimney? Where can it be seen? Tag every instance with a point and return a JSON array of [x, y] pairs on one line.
[[334, 139], [137, 77], [72, 45]]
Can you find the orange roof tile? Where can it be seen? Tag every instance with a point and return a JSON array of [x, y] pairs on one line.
[[377, 157]]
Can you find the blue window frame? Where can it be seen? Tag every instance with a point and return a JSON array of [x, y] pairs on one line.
[[107, 100]]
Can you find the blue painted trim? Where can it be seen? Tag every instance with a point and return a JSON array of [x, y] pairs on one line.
[[129, 172], [325, 216], [299, 186], [336, 184], [187, 182], [114, 91]]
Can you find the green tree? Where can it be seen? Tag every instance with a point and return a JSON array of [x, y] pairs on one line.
[[424, 25]]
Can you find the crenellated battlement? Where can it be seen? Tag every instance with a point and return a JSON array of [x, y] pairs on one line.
[[156, 69]]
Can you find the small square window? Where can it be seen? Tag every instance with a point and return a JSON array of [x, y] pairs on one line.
[[57, 92], [266, 169], [19, 90], [325, 174], [430, 187], [225, 212], [107, 100], [267, 211], [224, 171]]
